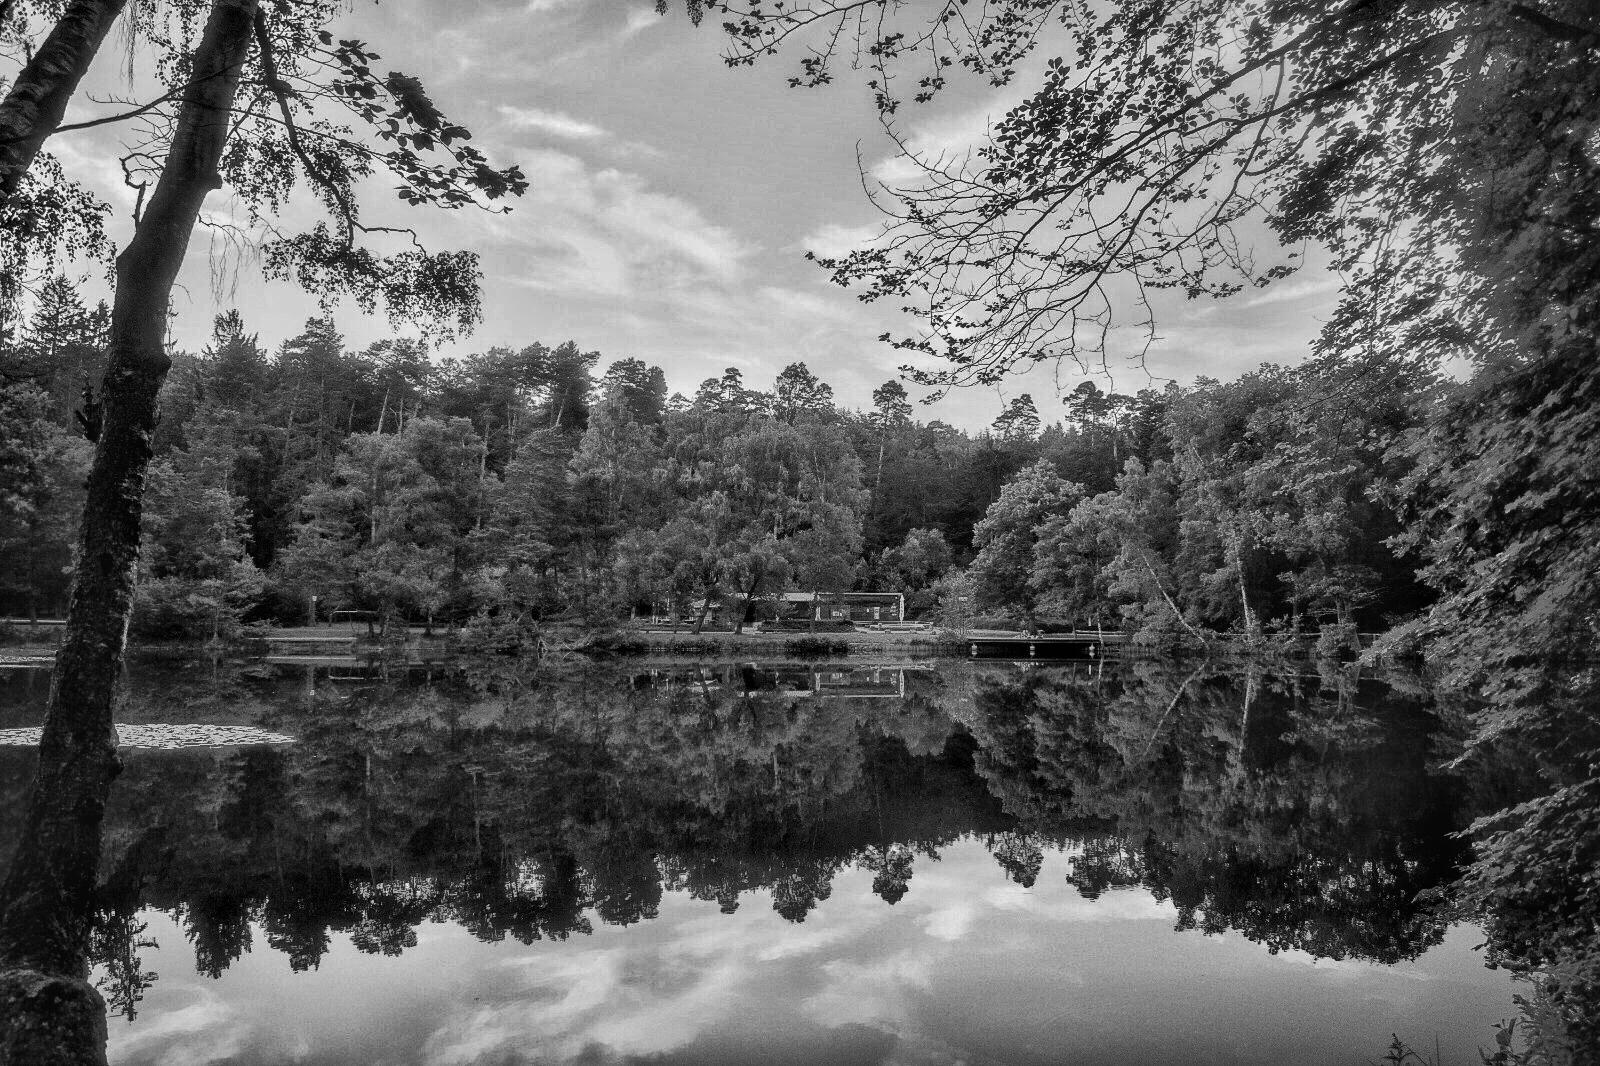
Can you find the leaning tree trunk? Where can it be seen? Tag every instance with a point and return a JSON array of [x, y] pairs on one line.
[[48, 1011], [38, 98]]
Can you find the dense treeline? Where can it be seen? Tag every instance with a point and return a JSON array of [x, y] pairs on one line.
[[516, 483], [527, 485]]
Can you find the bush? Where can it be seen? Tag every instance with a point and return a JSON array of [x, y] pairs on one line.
[[170, 608], [498, 634], [614, 642], [799, 625], [811, 647]]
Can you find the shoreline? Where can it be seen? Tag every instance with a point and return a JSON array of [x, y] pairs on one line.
[[302, 645]]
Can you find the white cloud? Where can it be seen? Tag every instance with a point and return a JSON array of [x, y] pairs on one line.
[[951, 922], [607, 233], [835, 308], [555, 123], [1303, 289], [640, 18], [204, 1032], [877, 992], [946, 142], [832, 240]]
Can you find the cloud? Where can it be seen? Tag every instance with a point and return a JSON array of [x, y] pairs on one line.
[[608, 233], [555, 123], [597, 1005], [640, 18], [204, 1032], [801, 306], [950, 922], [947, 141], [1303, 289], [832, 240]]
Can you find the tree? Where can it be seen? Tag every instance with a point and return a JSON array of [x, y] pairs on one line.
[[41, 469], [1007, 536], [889, 405], [728, 395], [196, 579], [619, 457], [497, 390], [1072, 558], [389, 530], [915, 565], [1502, 509], [796, 500], [402, 372], [527, 530], [567, 385], [642, 387], [1019, 421], [207, 135], [890, 412], [1094, 409], [63, 348], [750, 567], [687, 554], [238, 370], [798, 391], [1148, 141]]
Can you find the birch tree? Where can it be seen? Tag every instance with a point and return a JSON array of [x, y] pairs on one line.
[[260, 98]]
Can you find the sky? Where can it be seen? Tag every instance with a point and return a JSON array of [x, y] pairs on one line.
[[670, 203]]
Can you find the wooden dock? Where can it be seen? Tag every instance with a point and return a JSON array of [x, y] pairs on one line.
[[348, 641], [1076, 645]]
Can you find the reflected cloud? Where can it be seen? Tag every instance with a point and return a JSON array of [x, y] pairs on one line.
[[207, 1031]]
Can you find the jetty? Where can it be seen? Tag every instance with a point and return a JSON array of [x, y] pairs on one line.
[[1078, 644]]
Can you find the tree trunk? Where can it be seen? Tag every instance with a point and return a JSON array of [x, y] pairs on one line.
[[48, 894], [1173, 607], [33, 588], [38, 98], [483, 479], [1252, 625]]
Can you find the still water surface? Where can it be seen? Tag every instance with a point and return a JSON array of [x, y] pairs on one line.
[[937, 862]]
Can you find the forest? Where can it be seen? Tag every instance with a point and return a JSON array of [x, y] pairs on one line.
[[553, 485], [1427, 468]]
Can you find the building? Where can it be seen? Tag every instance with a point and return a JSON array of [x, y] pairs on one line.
[[852, 606], [800, 606]]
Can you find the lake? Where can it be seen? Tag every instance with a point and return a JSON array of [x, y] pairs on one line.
[[930, 861]]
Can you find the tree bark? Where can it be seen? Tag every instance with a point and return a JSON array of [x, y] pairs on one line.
[[1252, 625], [745, 600], [38, 98], [705, 609], [48, 894], [1173, 607]]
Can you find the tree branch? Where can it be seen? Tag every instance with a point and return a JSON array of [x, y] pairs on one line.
[[32, 110], [1561, 31], [280, 92], [124, 116]]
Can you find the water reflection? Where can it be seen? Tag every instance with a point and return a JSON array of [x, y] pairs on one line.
[[1301, 812]]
